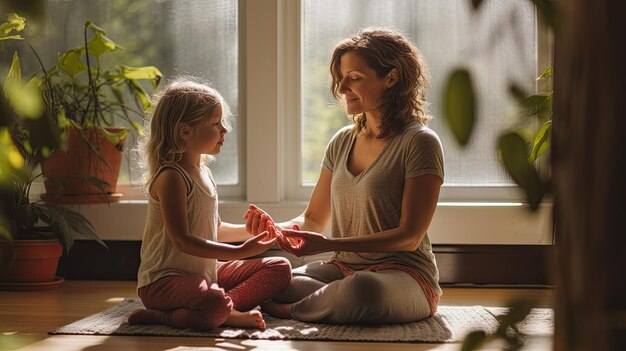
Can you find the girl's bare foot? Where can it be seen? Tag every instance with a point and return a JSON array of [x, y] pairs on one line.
[[279, 310], [250, 319], [142, 316]]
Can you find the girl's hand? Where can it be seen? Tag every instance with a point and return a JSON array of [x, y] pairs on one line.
[[283, 242], [302, 243], [257, 244], [257, 220]]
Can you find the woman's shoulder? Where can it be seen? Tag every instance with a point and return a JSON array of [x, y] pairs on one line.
[[343, 135], [419, 131], [344, 131]]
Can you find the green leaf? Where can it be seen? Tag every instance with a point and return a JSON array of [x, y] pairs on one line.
[[14, 23], [137, 126], [30, 218], [9, 153], [100, 43], [14, 76], [81, 225], [140, 94], [41, 214], [65, 234], [60, 226], [139, 73], [70, 62], [539, 104], [513, 152], [12, 37], [474, 340], [460, 105], [5, 230], [114, 137], [24, 99], [541, 143], [94, 27], [546, 73]]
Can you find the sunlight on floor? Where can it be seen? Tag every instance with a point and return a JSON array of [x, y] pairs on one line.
[[115, 299]]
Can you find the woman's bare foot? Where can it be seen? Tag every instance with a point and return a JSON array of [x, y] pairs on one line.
[[250, 319], [279, 310]]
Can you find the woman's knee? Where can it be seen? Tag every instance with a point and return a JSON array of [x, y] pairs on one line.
[[362, 287]]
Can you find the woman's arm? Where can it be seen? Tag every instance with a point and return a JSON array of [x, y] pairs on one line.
[[170, 188], [419, 201]]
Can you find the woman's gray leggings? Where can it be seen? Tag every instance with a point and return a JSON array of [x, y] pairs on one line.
[[320, 293]]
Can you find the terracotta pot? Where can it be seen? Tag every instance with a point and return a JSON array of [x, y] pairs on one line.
[[68, 176], [29, 261]]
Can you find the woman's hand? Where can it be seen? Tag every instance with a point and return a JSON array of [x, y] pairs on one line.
[[303, 243], [257, 220], [257, 244]]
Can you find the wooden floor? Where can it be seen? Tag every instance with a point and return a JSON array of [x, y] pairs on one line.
[[25, 318]]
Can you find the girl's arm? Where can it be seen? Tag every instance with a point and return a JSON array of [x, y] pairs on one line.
[[170, 188], [419, 201], [229, 233]]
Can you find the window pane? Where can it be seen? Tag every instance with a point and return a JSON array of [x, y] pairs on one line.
[[193, 37], [498, 45]]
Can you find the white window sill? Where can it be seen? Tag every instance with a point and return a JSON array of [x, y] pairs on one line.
[[454, 222]]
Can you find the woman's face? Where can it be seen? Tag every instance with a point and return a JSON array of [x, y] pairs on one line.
[[360, 86]]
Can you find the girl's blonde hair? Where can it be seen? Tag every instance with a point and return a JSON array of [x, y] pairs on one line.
[[384, 49], [184, 99]]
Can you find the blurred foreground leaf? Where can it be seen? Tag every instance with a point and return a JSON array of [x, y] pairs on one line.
[[460, 105], [512, 149]]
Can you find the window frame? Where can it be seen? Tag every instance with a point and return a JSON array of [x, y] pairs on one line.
[[296, 190], [269, 127]]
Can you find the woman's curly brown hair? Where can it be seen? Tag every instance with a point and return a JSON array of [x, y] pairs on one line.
[[384, 49]]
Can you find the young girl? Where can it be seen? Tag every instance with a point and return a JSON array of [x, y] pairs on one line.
[[180, 281]]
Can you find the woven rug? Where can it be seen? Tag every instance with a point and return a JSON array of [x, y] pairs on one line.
[[450, 324]]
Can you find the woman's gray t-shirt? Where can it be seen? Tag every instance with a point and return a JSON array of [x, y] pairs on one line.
[[371, 202]]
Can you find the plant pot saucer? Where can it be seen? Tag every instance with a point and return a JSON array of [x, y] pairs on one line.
[[36, 286], [81, 199]]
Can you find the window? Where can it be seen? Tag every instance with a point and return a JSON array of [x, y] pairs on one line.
[[270, 60], [194, 37], [498, 44]]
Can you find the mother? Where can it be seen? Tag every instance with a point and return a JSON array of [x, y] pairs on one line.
[[379, 186]]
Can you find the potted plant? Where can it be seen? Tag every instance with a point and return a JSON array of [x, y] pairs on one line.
[[32, 234], [96, 106]]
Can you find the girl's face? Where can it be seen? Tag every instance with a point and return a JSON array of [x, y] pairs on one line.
[[361, 87], [208, 136]]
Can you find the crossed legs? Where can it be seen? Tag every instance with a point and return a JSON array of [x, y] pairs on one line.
[[320, 293], [191, 302]]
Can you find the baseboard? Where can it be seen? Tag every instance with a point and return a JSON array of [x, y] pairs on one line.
[[501, 265]]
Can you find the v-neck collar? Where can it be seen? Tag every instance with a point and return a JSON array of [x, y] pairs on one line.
[[358, 177]]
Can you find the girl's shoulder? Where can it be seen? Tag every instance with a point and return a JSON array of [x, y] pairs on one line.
[[170, 177]]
